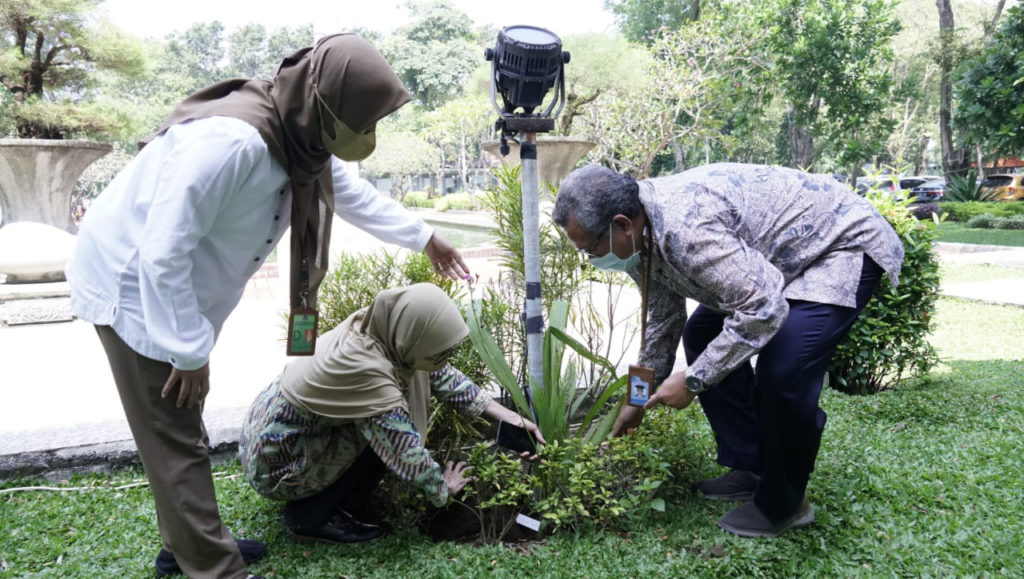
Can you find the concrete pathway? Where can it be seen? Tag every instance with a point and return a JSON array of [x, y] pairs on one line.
[[59, 409]]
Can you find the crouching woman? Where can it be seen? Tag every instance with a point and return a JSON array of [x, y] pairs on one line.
[[325, 431]]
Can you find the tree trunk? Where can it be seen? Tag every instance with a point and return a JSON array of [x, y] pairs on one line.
[[954, 159], [801, 144]]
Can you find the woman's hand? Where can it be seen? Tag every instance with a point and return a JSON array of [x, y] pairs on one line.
[[497, 412], [455, 476], [446, 259], [195, 385], [672, 392]]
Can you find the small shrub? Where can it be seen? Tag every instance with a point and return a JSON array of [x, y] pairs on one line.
[[889, 341], [456, 201], [983, 221], [925, 210], [1016, 222], [418, 199], [967, 188], [963, 211]]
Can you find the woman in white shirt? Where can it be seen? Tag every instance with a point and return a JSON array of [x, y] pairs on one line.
[[164, 254]]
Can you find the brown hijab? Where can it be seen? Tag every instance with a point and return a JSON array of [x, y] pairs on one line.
[[360, 88]]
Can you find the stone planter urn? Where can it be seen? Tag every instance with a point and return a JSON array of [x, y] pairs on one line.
[[36, 179], [556, 156]]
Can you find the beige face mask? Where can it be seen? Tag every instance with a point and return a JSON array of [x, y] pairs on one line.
[[346, 144]]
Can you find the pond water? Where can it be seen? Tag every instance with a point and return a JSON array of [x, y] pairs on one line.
[[465, 237]]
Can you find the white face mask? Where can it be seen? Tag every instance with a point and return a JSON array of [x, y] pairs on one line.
[[346, 144], [612, 262]]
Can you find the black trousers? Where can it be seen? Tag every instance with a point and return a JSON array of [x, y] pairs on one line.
[[766, 418], [350, 492]]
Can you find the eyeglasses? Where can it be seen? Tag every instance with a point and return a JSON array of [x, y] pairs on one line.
[[590, 250]]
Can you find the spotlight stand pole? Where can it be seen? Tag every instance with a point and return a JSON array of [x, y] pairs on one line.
[[531, 258]]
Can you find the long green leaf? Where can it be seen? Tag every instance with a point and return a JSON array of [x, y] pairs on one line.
[[494, 358]]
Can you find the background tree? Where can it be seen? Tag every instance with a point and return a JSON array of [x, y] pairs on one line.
[[600, 63], [436, 53], [254, 54], [642, 20], [827, 57], [400, 154], [195, 56], [457, 129], [685, 98], [989, 91], [48, 49]]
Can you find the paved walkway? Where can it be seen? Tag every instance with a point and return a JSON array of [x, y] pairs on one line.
[[59, 408]]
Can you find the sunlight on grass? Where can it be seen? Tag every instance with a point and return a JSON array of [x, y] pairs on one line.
[[961, 273]]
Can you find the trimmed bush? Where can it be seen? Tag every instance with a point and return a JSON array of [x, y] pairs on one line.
[[889, 341], [1015, 222], [962, 211], [418, 199], [983, 221], [456, 201]]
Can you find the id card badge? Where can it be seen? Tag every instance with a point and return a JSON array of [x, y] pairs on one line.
[[302, 324], [641, 381]]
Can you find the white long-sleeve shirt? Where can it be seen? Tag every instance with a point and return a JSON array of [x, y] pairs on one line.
[[164, 253]]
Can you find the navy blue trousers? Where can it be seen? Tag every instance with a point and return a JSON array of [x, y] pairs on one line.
[[766, 418]]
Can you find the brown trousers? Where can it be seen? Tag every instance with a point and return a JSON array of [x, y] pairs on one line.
[[174, 450]]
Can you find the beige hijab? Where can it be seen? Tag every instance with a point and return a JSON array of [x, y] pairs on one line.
[[359, 87], [363, 367]]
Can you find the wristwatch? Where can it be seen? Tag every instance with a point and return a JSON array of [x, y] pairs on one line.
[[695, 384]]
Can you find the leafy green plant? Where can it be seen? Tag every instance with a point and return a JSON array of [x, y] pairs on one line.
[[889, 341], [967, 188], [558, 400]]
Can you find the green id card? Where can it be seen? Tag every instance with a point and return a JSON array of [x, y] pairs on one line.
[[302, 324]]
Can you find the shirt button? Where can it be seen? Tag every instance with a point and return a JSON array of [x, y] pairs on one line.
[[270, 241], [276, 217], [256, 259]]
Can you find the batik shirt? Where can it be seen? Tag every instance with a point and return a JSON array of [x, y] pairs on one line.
[[742, 239], [393, 436], [289, 453]]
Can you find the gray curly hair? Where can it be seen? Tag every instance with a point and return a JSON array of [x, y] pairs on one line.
[[593, 195]]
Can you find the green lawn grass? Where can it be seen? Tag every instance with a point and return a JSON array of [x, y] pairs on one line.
[[924, 480], [954, 232]]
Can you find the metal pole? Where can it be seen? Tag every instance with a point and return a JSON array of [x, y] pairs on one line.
[[531, 256]]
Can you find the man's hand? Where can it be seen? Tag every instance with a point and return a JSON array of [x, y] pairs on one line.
[[673, 393], [455, 476], [446, 259], [194, 385], [629, 418]]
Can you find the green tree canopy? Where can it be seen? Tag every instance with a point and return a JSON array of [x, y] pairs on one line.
[[989, 90], [642, 20], [48, 52], [436, 53]]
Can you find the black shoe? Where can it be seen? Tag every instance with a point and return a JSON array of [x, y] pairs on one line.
[[747, 520], [366, 522], [341, 528], [252, 551], [735, 485]]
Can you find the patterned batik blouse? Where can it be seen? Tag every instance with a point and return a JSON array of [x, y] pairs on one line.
[[742, 239]]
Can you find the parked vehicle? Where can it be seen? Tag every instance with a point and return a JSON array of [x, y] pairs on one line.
[[1005, 187], [893, 184], [929, 192]]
